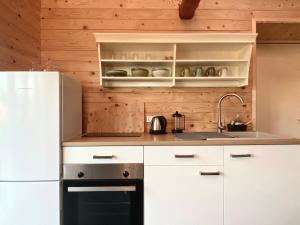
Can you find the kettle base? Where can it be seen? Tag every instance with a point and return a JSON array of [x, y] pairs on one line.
[[157, 132]]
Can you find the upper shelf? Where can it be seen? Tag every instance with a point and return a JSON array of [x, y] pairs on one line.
[[175, 37], [176, 52], [136, 60]]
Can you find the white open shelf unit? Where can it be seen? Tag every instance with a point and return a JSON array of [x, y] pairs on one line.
[[175, 51]]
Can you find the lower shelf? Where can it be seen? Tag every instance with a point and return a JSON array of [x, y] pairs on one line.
[[137, 81], [210, 81], [208, 78], [174, 82], [137, 78]]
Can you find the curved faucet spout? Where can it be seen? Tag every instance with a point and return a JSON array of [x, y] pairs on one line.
[[221, 126]]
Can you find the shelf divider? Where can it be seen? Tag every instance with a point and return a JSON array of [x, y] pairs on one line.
[[100, 66], [174, 64]]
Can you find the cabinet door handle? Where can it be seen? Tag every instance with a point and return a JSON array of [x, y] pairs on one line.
[[184, 156], [103, 156], [240, 155], [217, 173]]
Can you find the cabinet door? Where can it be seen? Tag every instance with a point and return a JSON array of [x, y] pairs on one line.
[[177, 195], [29, 203], [262, 185]]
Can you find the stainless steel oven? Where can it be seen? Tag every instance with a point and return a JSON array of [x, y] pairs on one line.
[[105, 194]]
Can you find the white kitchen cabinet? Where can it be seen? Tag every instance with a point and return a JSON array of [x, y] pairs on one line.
[[177, 193], [262, 185], [175, 52]]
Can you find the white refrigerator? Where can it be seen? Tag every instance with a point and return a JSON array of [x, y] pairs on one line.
[[38, 110]]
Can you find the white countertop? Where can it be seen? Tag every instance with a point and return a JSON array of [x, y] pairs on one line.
[[245, 138]]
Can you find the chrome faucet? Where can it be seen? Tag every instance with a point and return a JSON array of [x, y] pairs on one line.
[[221, 126]]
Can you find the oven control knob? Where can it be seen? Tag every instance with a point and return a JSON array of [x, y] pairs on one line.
[[125, 173], [80, 174]]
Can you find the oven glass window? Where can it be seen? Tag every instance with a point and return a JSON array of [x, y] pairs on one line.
[[103, 203]]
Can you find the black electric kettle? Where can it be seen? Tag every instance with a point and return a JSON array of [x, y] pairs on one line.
[[158, 125]]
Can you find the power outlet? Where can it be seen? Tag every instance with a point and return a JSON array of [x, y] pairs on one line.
[[149, 118]]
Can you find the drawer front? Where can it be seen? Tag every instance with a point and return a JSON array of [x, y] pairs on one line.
[[103, 155], [183, 155]]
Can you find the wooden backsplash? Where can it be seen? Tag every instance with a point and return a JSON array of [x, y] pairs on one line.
[[68, 45], [20, 34]]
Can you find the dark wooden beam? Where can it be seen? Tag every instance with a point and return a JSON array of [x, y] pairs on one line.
[[187, 9]]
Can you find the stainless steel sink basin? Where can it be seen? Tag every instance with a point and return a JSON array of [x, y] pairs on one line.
[[225, 135], [202, 135]]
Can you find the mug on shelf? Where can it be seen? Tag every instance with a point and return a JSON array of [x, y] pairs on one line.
[[185, 72], [198, 72], [222, 72], [210, 72]]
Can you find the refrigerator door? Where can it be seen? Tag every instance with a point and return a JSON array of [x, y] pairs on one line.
[[29, 126], [29, 203]]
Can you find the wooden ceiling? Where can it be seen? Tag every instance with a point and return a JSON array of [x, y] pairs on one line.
[[278, 32]]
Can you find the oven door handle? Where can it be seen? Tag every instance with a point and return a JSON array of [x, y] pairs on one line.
[[102, 189]]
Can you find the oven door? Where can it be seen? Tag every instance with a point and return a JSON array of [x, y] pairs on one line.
[[103, 202]]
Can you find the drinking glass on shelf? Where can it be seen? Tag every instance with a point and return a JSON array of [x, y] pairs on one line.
[[115, 55], [148, 56], [123, 56], [135, 56]]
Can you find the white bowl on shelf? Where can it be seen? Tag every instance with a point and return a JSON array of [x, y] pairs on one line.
[[139, 72], [160, 72]]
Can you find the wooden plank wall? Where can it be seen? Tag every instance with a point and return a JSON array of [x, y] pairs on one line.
[[69, 46], [20, 34], [278, 32]]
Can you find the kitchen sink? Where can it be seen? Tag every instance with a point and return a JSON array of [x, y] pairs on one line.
[[225, 135], [202, 135]]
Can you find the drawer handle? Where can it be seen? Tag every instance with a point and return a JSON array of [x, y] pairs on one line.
[[217, 173], [240, 155], [184, 156], [103, 156]]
